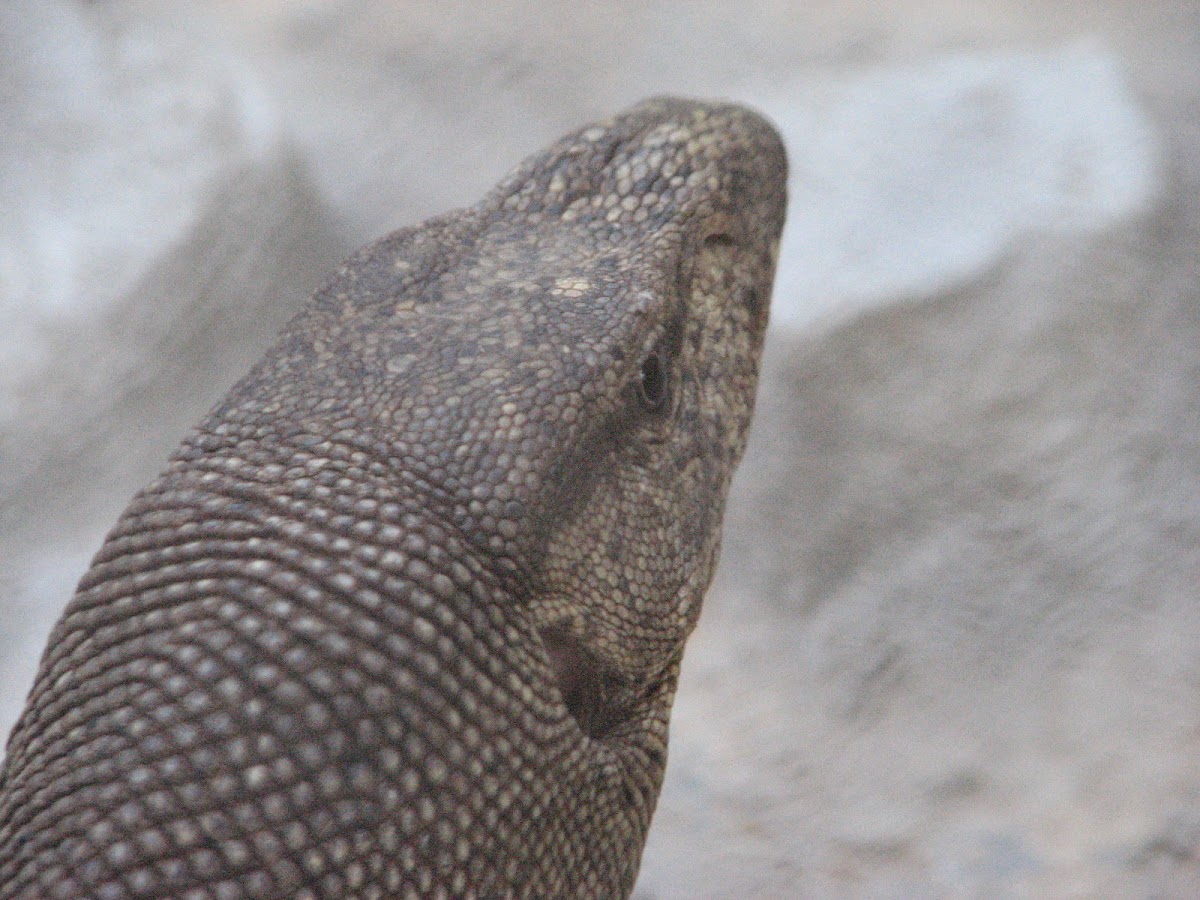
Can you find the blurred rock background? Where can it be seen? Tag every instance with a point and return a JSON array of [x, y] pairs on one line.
[[953, 649]]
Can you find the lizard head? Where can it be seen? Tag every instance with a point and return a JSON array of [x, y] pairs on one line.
[[681, 206], [563, 377]]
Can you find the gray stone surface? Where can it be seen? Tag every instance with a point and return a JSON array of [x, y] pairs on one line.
[[156, 234], [953, 648]]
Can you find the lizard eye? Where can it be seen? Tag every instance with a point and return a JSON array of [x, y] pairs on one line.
[[652, 385]]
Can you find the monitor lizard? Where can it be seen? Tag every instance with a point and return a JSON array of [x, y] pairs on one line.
[[403, 616]]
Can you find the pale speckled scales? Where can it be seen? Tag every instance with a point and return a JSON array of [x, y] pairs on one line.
[[404, 615]]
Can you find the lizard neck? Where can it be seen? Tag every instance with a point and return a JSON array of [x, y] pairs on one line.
[[382, 654]]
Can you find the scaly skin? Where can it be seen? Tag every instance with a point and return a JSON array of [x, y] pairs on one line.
[[404, 614]]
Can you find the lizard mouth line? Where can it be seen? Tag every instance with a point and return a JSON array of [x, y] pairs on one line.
[[589, 688]]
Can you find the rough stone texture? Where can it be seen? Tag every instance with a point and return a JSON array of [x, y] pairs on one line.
[[953, 649]]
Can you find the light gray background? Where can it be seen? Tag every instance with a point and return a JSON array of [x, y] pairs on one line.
[[953, 649]]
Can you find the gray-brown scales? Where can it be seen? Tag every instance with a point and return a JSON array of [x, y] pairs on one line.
[[404, 615]]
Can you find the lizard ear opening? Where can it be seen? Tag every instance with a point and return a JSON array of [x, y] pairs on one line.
[[588, 688]]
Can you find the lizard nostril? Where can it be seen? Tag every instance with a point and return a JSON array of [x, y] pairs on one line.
[[753, 300]]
